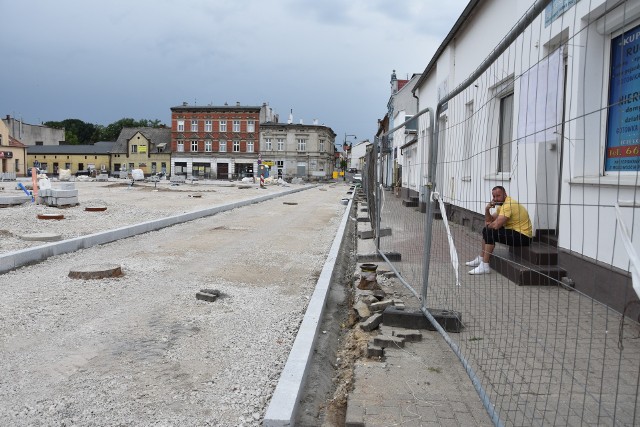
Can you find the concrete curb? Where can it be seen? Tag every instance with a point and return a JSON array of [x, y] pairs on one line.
[[13, 260], [283, 406]]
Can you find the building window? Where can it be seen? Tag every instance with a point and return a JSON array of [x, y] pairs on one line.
[[194, 126], [251, 126], [280, 144], [207, 145], [321, 146], [223, 125], [236, 125], [267, 144], [236, 146], [180, 125], [208, 126], [505, 133], [302, 144], [180, 146], [249, 146], [134, 149], [194, 145], [17, 165], [223, 146]]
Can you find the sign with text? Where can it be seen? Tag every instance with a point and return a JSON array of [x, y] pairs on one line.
[[623, 132]]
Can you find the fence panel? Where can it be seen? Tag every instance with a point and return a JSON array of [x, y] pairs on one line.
[[553, 119]]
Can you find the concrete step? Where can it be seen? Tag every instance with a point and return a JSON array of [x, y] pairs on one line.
[[412, 202], [537, 253], [523, 272]]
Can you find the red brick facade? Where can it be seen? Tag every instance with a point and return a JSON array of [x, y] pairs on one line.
[[202, 124]]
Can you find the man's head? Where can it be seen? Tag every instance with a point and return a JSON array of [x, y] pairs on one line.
[[498, 193]]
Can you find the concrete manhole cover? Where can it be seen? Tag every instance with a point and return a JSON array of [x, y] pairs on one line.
[[41, 237], [51, 216], [96, 271], [95, 208]]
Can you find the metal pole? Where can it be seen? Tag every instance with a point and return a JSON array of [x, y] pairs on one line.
[[378, 191]]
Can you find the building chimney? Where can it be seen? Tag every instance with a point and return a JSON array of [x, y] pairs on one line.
[[184, 103], [237, 103], [315, 122], [290, 117]]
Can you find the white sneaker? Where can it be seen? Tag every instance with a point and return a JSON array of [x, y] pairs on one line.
[[474, 262], [481, 269]]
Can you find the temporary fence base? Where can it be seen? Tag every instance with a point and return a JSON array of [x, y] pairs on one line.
[[450, 321], [391, 256]]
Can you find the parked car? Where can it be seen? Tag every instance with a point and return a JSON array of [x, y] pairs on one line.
[[352, 170], [357, 178]]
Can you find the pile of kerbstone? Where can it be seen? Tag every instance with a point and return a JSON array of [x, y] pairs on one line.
[[66, 195]]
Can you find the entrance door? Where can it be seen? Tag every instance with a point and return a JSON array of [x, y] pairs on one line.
[[223, 170]]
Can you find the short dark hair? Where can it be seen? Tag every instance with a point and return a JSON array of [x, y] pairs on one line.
[[499, 187]]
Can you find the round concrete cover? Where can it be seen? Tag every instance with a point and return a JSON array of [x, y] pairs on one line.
[[41, 237], [96, 271], [50, 216]]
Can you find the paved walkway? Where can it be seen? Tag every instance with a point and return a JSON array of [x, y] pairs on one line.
[[543, 355]]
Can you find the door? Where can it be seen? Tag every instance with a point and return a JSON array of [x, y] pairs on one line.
[[223, 170]]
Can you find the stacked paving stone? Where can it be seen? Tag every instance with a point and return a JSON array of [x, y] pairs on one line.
[[67, 195], [369, 305]]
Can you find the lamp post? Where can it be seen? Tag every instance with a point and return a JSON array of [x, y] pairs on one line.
[[344, 163]]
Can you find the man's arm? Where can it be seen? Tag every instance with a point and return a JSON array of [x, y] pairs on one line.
[[498, 222]]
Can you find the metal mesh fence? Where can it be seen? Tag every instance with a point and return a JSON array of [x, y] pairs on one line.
[[551, 117]]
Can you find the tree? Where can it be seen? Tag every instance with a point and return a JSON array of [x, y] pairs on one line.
[[343, 166], [78, 132]]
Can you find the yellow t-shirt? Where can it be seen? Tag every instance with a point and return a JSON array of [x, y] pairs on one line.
[[517, 217]]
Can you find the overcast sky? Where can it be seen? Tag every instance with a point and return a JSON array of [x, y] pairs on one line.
[[100, 61]]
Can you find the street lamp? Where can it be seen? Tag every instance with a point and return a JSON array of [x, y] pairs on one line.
[[344, 161]]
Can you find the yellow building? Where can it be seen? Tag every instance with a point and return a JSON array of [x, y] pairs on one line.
[[12, 155], [142, 148], [77, 158]]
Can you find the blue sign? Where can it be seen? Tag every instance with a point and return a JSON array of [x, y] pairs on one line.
[[623, 132], [555, 9]]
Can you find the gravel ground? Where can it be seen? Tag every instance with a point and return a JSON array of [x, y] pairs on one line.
[[125, 205], [140, 349]]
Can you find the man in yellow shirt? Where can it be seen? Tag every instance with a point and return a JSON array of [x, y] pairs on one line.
[[510, 224]]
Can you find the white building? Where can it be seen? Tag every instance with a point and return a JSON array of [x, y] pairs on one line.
[[553, 119]]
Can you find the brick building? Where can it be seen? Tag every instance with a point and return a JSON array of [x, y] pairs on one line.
[[216, 142]]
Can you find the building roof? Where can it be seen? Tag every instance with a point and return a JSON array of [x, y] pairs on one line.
[[15, 143], [102, 147], [401, 84], [216, 108], [157, 137], [296, 127]]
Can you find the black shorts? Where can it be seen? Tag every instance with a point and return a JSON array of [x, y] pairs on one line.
[[506, 236]]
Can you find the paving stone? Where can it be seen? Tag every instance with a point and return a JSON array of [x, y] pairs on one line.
[[380, 305], [374, 350], [371, 323], [385, 341], [409, 335]]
